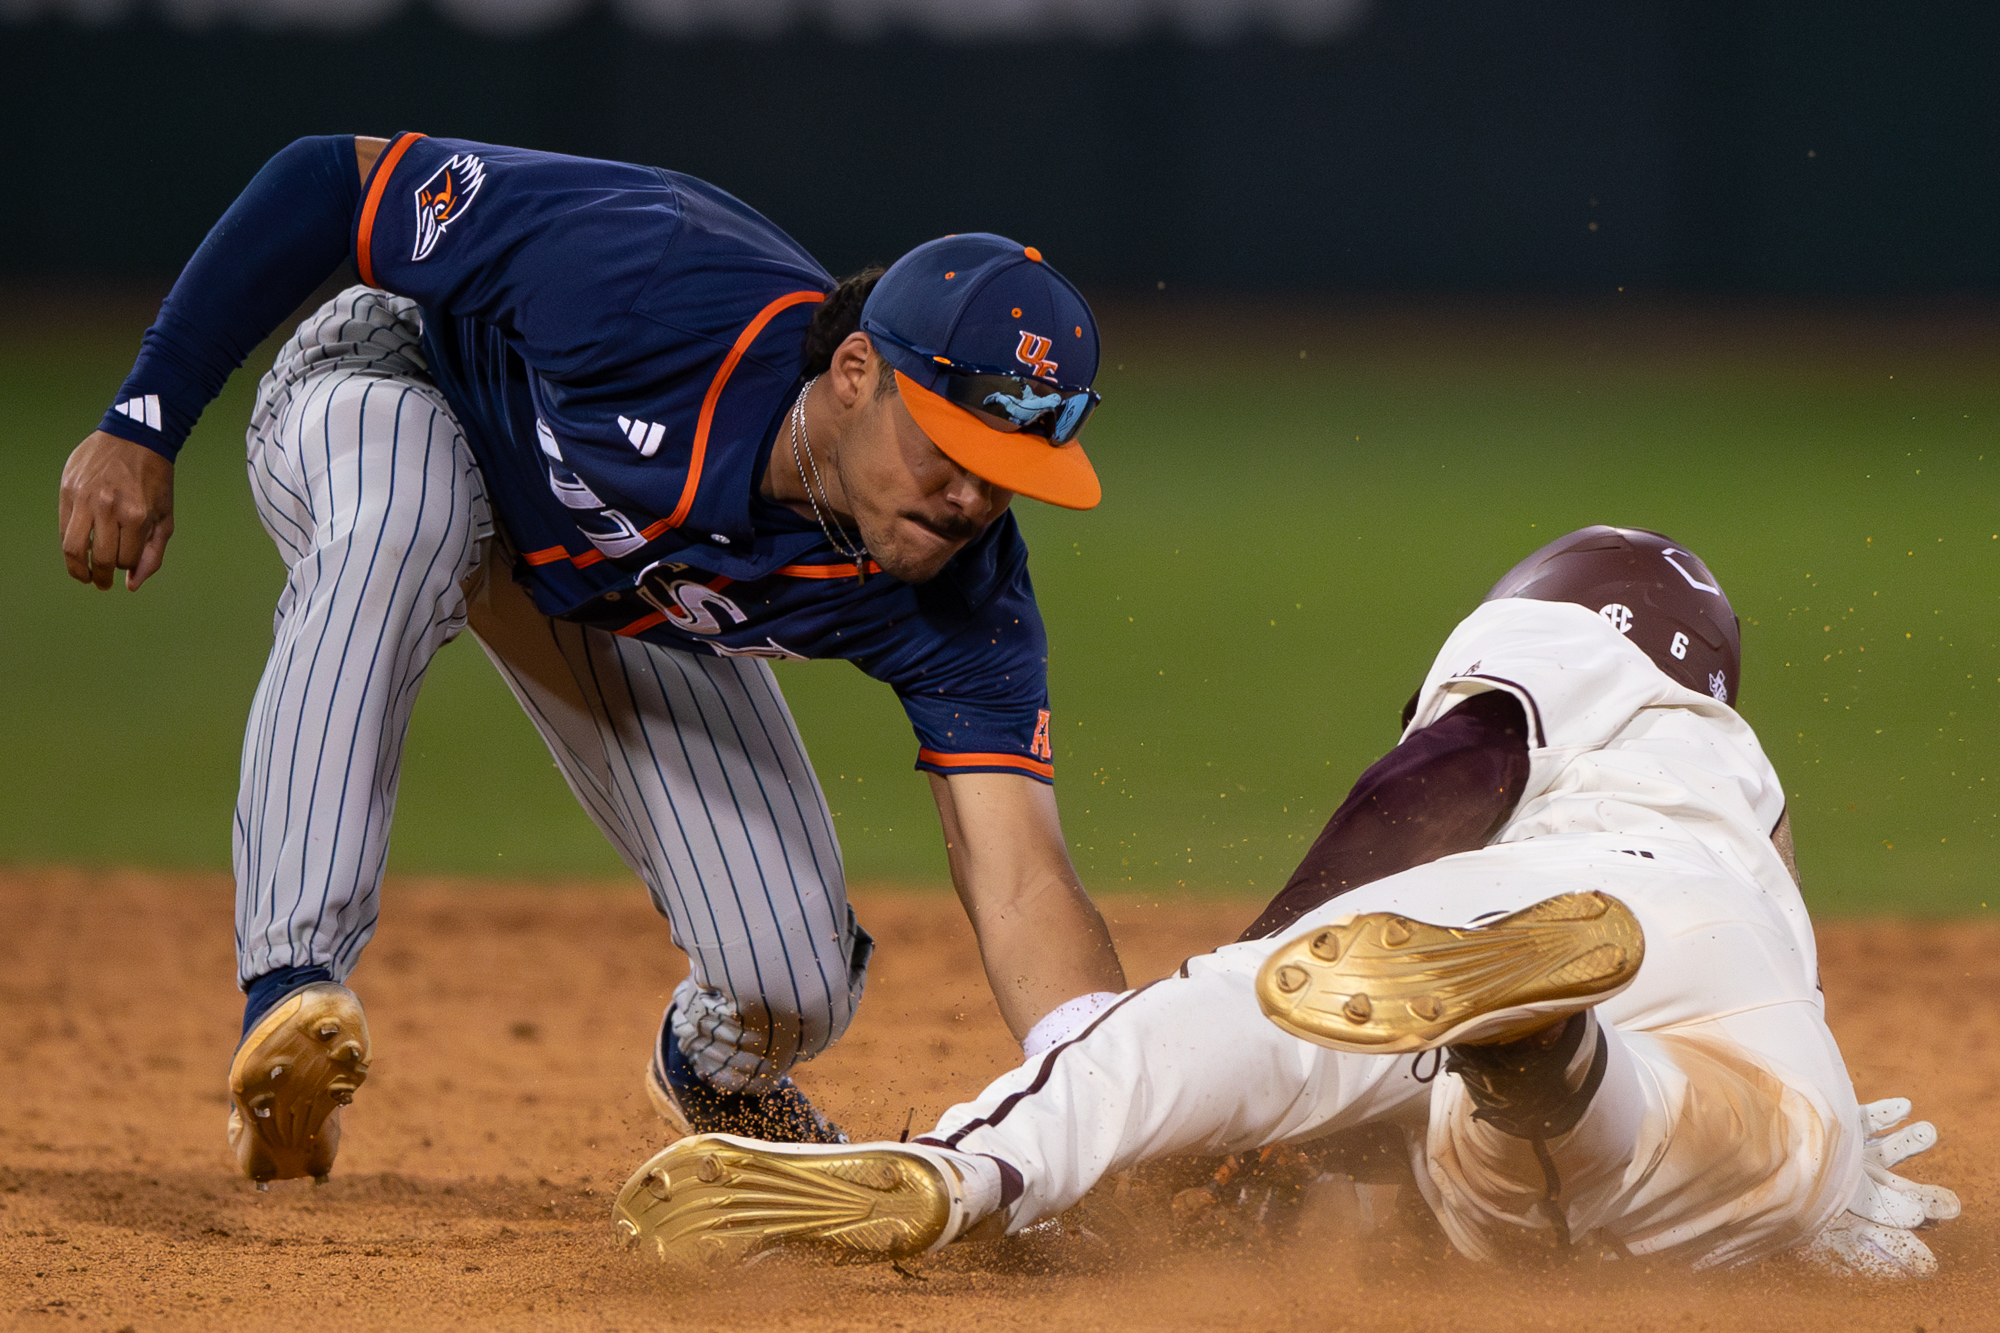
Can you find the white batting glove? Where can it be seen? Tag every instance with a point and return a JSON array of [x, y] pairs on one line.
[[1876, 1235]]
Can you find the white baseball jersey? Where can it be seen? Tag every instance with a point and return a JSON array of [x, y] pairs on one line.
[[1615, 746], [1725, 1127]]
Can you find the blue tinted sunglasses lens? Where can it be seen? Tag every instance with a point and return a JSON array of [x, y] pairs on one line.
[[1070, 419], [1018, 404]]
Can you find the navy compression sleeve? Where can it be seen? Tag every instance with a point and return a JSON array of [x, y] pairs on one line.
[[288, 230], [1445, 789]]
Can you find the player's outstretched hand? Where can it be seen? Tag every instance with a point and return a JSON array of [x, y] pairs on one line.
[[115, 511], [1876, 1235]]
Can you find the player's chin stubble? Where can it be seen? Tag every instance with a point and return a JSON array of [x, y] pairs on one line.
[[914, 567]]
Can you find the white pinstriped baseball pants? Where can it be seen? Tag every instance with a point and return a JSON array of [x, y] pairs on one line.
[[689, 763]]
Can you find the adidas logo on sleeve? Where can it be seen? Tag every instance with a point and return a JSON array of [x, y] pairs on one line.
[[144, 410]]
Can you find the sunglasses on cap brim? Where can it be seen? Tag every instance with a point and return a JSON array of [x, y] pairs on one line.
[[1017, 404], [1006, 401]]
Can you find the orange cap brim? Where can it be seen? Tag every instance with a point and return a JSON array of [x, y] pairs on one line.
[[1029, 465]]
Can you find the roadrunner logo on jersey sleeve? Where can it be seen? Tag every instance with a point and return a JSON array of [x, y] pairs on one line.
[[443, 199]]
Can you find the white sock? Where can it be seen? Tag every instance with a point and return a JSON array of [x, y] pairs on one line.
[[980, 1181], [1064, 1021]]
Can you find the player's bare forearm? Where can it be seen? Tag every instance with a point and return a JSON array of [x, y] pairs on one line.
[[366, 151], [1040, 937], [114, 510]]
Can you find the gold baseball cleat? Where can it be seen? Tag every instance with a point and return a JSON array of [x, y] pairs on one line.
[[292, 1074], [1382, 984], [715, 1200]]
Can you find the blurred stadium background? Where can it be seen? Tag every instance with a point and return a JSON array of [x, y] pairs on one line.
[[1393, 291]]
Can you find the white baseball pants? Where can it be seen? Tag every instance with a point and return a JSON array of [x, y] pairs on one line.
[[1725, 1127], [689, 763]]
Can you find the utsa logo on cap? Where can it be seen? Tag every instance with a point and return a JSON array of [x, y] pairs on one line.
[[1034, 354], [976, 328], [443, 199]]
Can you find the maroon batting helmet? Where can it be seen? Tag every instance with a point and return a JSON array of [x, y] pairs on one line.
[[1656, 593]]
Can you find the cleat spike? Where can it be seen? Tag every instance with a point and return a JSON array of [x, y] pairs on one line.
[[320, 1180], [300, 1062], [263, 1187]]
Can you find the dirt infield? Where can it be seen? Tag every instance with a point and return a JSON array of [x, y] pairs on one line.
[[504, 1110]]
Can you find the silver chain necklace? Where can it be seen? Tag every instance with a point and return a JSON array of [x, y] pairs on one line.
[[858, 553]]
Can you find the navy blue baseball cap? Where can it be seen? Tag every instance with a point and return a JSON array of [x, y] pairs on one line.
[[994, 353]]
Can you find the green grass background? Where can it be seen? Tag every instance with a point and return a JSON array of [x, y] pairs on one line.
[[1300, 504]]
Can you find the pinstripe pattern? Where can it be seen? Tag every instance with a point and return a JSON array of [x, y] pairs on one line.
[[364, 482], [693, 767], [690, 764]]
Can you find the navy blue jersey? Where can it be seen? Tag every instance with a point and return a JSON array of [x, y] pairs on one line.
[[621, 345]]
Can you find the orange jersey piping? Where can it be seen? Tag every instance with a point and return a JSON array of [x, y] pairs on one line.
[[715, 386], [364, 256], [1034, 766], [548, 555], [702, 425], [642, 624], [826, 571]]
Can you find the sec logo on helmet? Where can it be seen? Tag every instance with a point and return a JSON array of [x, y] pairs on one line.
[[443, 199]]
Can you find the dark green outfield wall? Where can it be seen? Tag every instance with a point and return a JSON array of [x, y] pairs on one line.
[[1279, 554], [1442, 145]]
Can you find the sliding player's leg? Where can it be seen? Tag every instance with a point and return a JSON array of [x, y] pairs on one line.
[[1640, 1057], [1185, 1065]]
